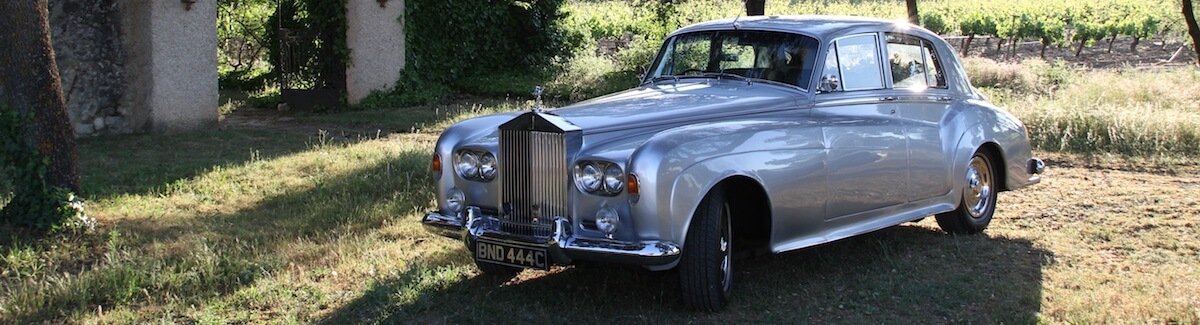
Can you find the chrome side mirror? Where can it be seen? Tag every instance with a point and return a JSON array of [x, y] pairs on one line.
[[830, 83]]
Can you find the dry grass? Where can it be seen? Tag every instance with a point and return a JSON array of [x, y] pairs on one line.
[[1150, 114]]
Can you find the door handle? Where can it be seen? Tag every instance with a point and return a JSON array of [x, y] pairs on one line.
[[888, 99], [945, 99]]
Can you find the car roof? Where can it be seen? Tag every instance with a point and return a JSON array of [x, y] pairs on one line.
[[819, 26]]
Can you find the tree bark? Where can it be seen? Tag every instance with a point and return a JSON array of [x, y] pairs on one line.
[[1189, 15], [756, 7], [967, 47], [29, 84], [913, 17]]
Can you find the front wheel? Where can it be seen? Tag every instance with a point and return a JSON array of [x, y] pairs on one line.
[[706, 267], [978, 201]]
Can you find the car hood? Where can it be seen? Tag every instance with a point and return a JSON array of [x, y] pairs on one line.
[[668, 103]]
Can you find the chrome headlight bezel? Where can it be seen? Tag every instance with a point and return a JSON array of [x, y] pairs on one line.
[[596, 177], [475, 165]]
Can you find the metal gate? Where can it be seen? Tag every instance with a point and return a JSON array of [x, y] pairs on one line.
[[309, 78]]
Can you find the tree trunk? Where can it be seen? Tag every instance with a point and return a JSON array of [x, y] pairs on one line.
[[1045, 43], [1079, 50], [1012, 48], [756, 7], [1189, 15], [31, 86], [1110, 42], [967, 48], [1133, 46], [913, 17]]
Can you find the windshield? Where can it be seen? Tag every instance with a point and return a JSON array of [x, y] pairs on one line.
[[779, 57]]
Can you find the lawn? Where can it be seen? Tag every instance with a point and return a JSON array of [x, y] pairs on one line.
[[316, 219]]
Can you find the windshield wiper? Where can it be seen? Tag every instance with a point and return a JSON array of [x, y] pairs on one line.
[[720, 75]]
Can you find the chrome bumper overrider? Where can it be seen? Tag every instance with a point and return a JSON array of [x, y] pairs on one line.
[[1036, 166], [562, 247]]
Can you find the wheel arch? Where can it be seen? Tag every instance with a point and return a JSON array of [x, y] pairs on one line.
[[996, 158], [750, 208]]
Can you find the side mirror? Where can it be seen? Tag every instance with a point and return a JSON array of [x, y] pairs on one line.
[[830, 83]]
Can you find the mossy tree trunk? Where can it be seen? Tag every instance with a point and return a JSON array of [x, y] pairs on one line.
[[1189, 15], [29, 84]]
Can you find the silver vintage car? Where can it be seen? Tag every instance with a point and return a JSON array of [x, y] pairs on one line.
[[769, 133]]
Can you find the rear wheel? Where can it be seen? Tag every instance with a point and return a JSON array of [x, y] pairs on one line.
[[978, 201], [706, 267]]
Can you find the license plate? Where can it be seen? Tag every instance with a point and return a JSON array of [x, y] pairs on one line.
[[511, 255]]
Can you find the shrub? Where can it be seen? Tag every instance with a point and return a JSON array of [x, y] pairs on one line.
[[991, 74], [33, 202]]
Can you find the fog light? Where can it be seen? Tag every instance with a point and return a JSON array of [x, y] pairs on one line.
[[455, 199], [607, 220]]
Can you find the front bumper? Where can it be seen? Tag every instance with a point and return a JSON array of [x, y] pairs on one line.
[[561, 247]]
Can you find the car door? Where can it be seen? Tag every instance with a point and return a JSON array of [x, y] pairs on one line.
[[865, 139], [921, 98]]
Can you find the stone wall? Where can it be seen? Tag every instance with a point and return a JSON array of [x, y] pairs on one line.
[[86, 36], [135, 66]]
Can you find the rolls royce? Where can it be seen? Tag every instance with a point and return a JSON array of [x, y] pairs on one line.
[[769, 133]]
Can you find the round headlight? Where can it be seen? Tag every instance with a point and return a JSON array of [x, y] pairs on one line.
[[468, 164], [614, 179], [455, 199], [487, 166], [607, 220], [589, 177]]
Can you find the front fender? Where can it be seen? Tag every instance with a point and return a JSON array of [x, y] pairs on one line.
[[678, 167]]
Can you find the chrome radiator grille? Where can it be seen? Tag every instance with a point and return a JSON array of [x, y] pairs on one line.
[[533, 181]]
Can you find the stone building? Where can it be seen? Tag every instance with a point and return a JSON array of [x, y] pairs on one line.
[[138, 66]]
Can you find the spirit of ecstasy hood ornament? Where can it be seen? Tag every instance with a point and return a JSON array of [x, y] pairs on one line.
[[537, 101]]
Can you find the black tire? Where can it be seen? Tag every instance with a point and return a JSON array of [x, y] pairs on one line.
[[978, 200], [497, 270], [706, 267]]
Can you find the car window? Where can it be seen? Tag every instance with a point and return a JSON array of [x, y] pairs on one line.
[[913, 63], [857, 63], [737, 56], [774, 56], [689, 53]]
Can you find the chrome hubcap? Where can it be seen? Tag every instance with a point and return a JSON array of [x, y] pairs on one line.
[[978, 194]]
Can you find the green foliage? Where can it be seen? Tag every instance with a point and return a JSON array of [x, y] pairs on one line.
[[450, 41], [466, 45], [410, 90], [243, 27], [34, 203]]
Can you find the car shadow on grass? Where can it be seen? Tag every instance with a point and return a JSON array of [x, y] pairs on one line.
[[912, 273]]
